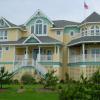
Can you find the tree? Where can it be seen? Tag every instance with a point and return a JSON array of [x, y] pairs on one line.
[[5, 77]]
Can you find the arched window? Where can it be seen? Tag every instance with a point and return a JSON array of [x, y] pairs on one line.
[[39, 26], [92, 30]]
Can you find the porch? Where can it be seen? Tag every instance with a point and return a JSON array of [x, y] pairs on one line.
[[29, 55], [84, 53]]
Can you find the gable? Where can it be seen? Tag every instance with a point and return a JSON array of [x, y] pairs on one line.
[[32, 40], [39, 15], [3, 23]]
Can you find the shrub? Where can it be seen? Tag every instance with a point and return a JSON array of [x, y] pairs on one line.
[[50, 80], [28, 79], [5, 77], [15, 81]]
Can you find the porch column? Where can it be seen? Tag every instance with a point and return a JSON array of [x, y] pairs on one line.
[[55, 49], [39, 54], [68, 56], [83, 52], [26, 53], [58, 52]]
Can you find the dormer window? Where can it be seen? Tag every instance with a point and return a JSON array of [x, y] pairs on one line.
[[39, 28]]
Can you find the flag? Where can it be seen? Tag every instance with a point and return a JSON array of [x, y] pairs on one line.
[[85, 6]]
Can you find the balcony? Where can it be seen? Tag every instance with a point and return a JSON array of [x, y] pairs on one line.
[[88, 58]]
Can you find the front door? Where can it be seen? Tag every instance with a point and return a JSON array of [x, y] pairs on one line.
[[35, 53]]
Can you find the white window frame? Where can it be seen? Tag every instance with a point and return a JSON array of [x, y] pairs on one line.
[[3, 35], [38, 30]]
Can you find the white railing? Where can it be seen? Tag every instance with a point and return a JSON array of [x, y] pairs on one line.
[[20, 62], [46, 57], [42, 57], [88, 58]]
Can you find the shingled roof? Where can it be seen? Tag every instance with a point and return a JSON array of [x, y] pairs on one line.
[[94, 17], [10, 23], [84, 39], [63, 23], [43, 39]]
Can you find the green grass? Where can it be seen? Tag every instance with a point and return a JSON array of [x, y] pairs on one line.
[[30, 93]]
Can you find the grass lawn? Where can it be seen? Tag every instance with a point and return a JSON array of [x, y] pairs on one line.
[[30, 93]]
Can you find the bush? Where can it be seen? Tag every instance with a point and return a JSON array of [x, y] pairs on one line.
[[50, 80], [15, 81], [28, 79]]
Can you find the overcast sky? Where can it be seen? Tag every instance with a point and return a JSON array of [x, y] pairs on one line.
[[18, 11]]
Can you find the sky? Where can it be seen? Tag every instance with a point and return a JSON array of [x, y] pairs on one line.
[[19, 11]]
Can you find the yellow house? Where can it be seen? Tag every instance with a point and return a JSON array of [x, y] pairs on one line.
[[42, 44]]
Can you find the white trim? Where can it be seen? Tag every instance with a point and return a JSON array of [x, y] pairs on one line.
[[32, 44], [57, 28], [71, 26], [84, 42], [89, 23], [5, 21], [32, 35], [34, 15]]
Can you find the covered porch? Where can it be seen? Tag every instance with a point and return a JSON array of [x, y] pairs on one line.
[[30, 54], [84, 53]]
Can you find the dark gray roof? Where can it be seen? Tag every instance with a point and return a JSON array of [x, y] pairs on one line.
[[47, 39], [94, 17], [10, 23], [85, 39], [43, 39], [63, 23], [22, 26], [21, 40]]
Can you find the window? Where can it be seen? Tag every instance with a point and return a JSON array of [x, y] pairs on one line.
[[32, 29], [58, 32], [7, 48], [72, 33], [3, 35], [45, 29], [82, 32], [97, 30], [0, 52], [2, 23], [92, 30], [39, 28]]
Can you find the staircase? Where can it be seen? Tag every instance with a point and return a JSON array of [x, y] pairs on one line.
[[29, 63]]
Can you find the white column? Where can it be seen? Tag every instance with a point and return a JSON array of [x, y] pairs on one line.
[[55, 49], [39, 54], [58, 52], [26, 53], [14, 58], [83, 52], [68, 55]]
